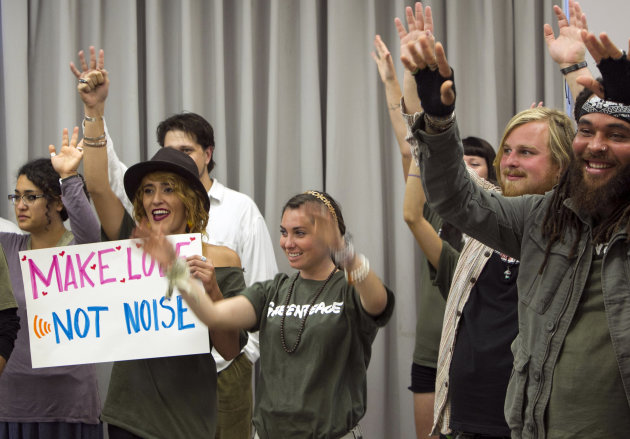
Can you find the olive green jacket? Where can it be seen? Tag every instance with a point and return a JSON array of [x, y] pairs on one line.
[[547, 301]]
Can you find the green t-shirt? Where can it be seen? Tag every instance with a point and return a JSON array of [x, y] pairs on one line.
[[430, 311], [7, 300], [318, 391], [587, 395], [170, 397]]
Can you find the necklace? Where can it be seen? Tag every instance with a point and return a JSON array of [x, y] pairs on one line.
[[284, 314]]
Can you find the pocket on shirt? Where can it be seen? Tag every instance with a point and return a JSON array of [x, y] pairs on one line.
[[515, 397], [537, 291]]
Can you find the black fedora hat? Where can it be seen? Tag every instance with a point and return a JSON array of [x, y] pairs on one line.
[[166, 160]]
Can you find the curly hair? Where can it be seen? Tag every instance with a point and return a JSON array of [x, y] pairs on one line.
[[43, 175], [196, 214]]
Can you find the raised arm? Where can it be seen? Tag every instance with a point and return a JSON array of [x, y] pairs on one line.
[[386, 70], [218, 314], [93, 87], [413, 206], [416, 25], [614, 66], [568, 49], [66, 161]]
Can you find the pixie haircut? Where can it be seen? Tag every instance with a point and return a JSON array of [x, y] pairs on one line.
[[478, 147], [196, 213], [198, 128], [300, 199], [561, 134], [42, 174]]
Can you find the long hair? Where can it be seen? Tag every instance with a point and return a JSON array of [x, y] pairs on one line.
[[196, 214]]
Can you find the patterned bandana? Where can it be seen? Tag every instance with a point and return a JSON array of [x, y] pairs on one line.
[[614, 109]]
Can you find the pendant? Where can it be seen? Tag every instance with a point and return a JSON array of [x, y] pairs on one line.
[[507, 274]]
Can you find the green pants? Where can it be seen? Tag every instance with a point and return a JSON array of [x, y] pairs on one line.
[[234, 393]]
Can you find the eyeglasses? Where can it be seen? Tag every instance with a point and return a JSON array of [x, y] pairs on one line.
[[27, 199]]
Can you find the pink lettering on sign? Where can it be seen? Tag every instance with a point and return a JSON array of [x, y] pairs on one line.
[[35, 271], [129, 270], [102, 267]]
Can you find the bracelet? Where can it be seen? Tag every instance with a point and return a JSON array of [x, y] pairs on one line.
[[413, 175], [360, 273], [100, 144], [573, 67], [342, 257], [439, 124], [92, 119], [94, 139], [178, 276]]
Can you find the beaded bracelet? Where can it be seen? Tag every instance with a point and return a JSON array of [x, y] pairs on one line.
[[360, 273]]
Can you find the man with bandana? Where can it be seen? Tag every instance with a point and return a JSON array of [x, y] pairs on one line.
[[571, 375]]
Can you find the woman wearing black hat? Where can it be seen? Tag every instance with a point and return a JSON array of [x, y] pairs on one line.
[[316, 326], [173, 396]]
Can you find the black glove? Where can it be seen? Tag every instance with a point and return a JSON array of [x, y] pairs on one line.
[[616, 79], [428, 83]]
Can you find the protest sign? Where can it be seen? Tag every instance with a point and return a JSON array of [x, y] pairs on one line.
[[105, 301]]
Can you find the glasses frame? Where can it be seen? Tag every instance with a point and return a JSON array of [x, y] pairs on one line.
[[15, 199]]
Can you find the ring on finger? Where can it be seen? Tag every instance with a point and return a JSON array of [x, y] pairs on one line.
[[83, 80], [203, 259], [80, 148], [52, 154]]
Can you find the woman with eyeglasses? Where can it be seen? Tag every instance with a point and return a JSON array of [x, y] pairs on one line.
[[51, 402]]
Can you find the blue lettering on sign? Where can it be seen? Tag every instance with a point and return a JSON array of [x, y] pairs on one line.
[[80, 324], [144, 315]]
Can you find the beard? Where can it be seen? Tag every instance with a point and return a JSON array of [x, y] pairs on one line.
[[599, 199]]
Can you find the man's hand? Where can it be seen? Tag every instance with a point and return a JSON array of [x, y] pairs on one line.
[[93, 79], [568, 48], [434, 78], [614, 65]]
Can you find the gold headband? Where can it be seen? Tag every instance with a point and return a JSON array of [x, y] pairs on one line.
[[324, 200]]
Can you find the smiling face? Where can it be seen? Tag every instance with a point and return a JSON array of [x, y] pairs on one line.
[[162, 206], [601, 147], [304, 249], [41, 213], [185, 143], [525, 161]]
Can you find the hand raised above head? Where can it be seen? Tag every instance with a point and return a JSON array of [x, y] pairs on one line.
[[614, 66], [434, 76], [383, 60], [416, 25], [93, 85], [67, 161], [568, 48]]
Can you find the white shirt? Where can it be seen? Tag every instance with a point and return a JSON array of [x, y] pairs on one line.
[[234, 222]]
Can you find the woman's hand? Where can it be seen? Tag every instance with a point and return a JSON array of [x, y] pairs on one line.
[[201, 268], [67, 161], [155, 244], [93, 85]]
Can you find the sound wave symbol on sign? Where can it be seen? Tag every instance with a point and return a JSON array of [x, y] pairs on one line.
[[41, 327]]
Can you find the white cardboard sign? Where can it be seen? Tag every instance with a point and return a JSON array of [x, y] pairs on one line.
[[105, 301]]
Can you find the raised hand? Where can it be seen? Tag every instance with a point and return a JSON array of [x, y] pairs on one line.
[[614, 66], [155, 244], [568, 48], [93, 85], [67, 160], [434, 76], [383, 60], [416, 25]]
